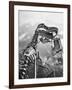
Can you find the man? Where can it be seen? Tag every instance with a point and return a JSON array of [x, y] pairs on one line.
[[39, 59]]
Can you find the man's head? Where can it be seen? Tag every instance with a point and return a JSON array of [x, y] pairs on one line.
[[46, 34]]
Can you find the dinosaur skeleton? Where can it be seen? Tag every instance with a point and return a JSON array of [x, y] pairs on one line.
[[30, 58]]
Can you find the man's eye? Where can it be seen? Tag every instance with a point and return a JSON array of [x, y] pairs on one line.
[[44, 38], [41, 39]]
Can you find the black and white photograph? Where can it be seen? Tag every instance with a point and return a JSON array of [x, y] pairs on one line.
[[39, 44]]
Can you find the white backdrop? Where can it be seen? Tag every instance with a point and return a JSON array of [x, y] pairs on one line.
[[4, 45]]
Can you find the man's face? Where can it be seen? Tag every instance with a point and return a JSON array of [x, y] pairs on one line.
[[43, 39]]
